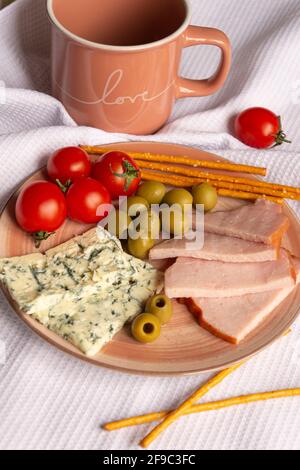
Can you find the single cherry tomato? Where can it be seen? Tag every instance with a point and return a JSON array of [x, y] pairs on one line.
[[40, 209], [84, 200], [67, 165], [118, 172], [259, 128]]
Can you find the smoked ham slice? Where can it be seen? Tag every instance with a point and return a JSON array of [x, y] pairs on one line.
[[262, 222], [232, 319], [189, 277], [215, 248]]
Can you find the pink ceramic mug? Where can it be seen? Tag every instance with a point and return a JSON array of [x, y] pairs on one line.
[[115, 62]]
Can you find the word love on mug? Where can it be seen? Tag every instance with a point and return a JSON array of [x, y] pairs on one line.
[[112, 86], [123, 58]]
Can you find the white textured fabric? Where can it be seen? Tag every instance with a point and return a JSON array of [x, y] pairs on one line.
[[51, 401]]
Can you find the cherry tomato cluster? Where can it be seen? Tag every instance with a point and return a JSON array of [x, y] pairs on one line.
[[77, 189]]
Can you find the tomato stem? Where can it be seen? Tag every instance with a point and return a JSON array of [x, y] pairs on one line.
[[40, 236], [63, 187], [129, 175], [280, 137]]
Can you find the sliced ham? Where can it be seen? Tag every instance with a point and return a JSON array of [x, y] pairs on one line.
[[232, 319], [296, 265], [215, 248], [291, 244], [189, 277], [262, 222]]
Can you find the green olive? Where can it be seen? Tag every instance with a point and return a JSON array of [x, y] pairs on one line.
[[205, 194], [152, 191], [178, 196], [140, 248], [145, 328], [175, 222], [136, 205], [120, 224], [149, 224], [161, 307]]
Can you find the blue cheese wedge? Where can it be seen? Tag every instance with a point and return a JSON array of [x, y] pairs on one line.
[[74, 266], [19, 276], [84, 290], [92, 321]]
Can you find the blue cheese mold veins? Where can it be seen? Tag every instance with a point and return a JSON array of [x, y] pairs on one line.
[[84, 290]]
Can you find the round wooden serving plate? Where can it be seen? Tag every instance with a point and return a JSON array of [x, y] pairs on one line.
[[183, 347]]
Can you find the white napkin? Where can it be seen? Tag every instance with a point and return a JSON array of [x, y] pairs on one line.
[[51, 401]]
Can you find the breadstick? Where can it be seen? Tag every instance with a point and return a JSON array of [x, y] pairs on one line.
[[186, 182], [179, 170], [196, 163], [211, 406], [175, 414]]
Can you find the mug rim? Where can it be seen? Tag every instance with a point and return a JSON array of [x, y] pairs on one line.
[[108, 47]]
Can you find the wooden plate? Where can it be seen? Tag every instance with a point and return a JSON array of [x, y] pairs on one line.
[[184, 347]]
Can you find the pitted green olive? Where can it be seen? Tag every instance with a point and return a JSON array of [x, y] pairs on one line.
[[140, 247], [152, 191], [175, 221], [205, 194], [149, 224], [118, 226], [145, 328], [178, 196], [136, 205], [161, 307]]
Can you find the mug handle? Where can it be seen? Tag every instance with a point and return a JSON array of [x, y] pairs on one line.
[[197, 35]]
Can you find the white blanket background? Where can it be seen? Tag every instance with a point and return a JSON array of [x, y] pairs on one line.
[[51, 401]]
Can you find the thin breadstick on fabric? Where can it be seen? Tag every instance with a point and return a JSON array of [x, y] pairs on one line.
[[155, 416], [211, 406], [174, 415]]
